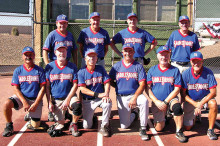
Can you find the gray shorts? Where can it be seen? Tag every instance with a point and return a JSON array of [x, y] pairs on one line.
[[58, 113], [159, 116], [18, 105]]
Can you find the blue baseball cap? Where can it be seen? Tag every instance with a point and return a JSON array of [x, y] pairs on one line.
[[128, 45], [90, 51], [94, 14], [131, 15], [60, 45], [181, 18], [61, 18], [27, 49], [162, 49], [196, 55]]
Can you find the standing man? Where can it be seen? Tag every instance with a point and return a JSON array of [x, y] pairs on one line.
[[61, 76], [137, 37], [94, 85], [63, 37], [163, 86], [94, 37], [129, 78], [182, 43], [199, 88], [29, 86]]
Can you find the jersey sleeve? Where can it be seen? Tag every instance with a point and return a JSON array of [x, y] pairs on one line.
[[42, 77], [81, 38], [15, 81], [75, 76], [141, 73], [177, 79], [106, 77], [196, 46], [149, 38], [112, 73], [149, 76], [212, 80], [81, 79], [169, 43], [47, 72], [117, 38], [48, 42], [185, 79], [107, 39]]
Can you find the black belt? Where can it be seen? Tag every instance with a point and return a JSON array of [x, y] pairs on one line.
[[84, 98], [181, 63], [30, 98], [124, 94]]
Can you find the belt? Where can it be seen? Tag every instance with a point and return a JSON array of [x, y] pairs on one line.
[[124, 94], [84, 98], [181, 63], [30, 98]]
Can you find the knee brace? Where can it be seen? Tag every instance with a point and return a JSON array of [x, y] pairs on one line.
[[77, 108], [177, 110]]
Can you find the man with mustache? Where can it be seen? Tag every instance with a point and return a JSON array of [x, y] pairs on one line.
[[29, 86]]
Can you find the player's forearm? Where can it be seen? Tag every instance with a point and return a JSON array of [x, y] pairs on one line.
[[140, 89], [19, 94], [45, 57], [151, 95], [74, 54], [81, 50], [72, 92], [152, 46], [49, 101], [107, 88], [40, 94], [86, 91], [106, 49], [173, 94], [211, 95], [112, 44], [190, 100]]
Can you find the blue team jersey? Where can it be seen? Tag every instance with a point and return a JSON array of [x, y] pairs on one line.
[[54, 38], [61, 79], [94, 40], [93, 81], [138, 38], [163, 81], [127, 77], [198, 86], [29, 81], [182, 46]]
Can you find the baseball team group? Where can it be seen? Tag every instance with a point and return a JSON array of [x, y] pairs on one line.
[[179, 86]]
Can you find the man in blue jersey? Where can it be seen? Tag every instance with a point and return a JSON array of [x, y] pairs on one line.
[[94, 85], [129, 79], [199, 86], [163, 86], [29, 85], [94, 37], [59, 36], [62, 83], [137, 37]]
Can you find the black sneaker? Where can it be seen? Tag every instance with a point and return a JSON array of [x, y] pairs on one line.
[[104, 131], [50, 117], [74, 130], [180, 136], [8, 131], [143, 134], [211, 134], [27, 117]]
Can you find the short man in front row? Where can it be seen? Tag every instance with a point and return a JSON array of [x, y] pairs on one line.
[[29, 86], [94, 85], [94, 37], [130, 79], [61, 76], [137, 37], [199, 88], [163, 86]]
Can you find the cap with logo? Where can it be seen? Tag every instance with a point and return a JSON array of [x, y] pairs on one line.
[[61, 18], [196, 55], [60, 45], [90, 51], [162, 49], [94, 14], [131, 15], [128, 45], [181, 18], [27, 49]]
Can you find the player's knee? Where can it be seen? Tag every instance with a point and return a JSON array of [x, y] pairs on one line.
[[212, 104], [77, 108], [177, 109]]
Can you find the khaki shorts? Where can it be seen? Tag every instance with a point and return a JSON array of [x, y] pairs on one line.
[[159, 116], [58, 113], [18, 105]]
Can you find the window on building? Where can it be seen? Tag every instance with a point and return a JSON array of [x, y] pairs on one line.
[[79, 9], [157, 10], [59, 7], [12, 6], [113, 9]]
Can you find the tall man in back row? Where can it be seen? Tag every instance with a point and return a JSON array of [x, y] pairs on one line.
[[94, 37], [137, 37]]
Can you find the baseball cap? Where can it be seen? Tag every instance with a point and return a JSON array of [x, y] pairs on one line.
[[196, 55], [131, 15], [62, 17], [128, 45], [90, 51], [181, 18], [162, 49], [60, 45], [94, 14], [27, 49]]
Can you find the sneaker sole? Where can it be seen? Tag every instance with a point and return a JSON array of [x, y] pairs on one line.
[[181, 141], [211, 138]]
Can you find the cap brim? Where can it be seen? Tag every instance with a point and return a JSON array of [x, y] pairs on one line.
[[163, 51], [27, 52], [131, 16], [94, 17], [91, 53], [196, 58], [183, 20], [127, 48], [61, 21]]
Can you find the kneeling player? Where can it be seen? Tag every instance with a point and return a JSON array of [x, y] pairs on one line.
[[164, 83], [29, 86], [61, 76]]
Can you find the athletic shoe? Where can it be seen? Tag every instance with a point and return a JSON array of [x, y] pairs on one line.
[[27, 117], [180, 136], [74, 130], [68, 116], [8, 130], [211, 134], [143, 134], [104, 131], [50, 117]]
